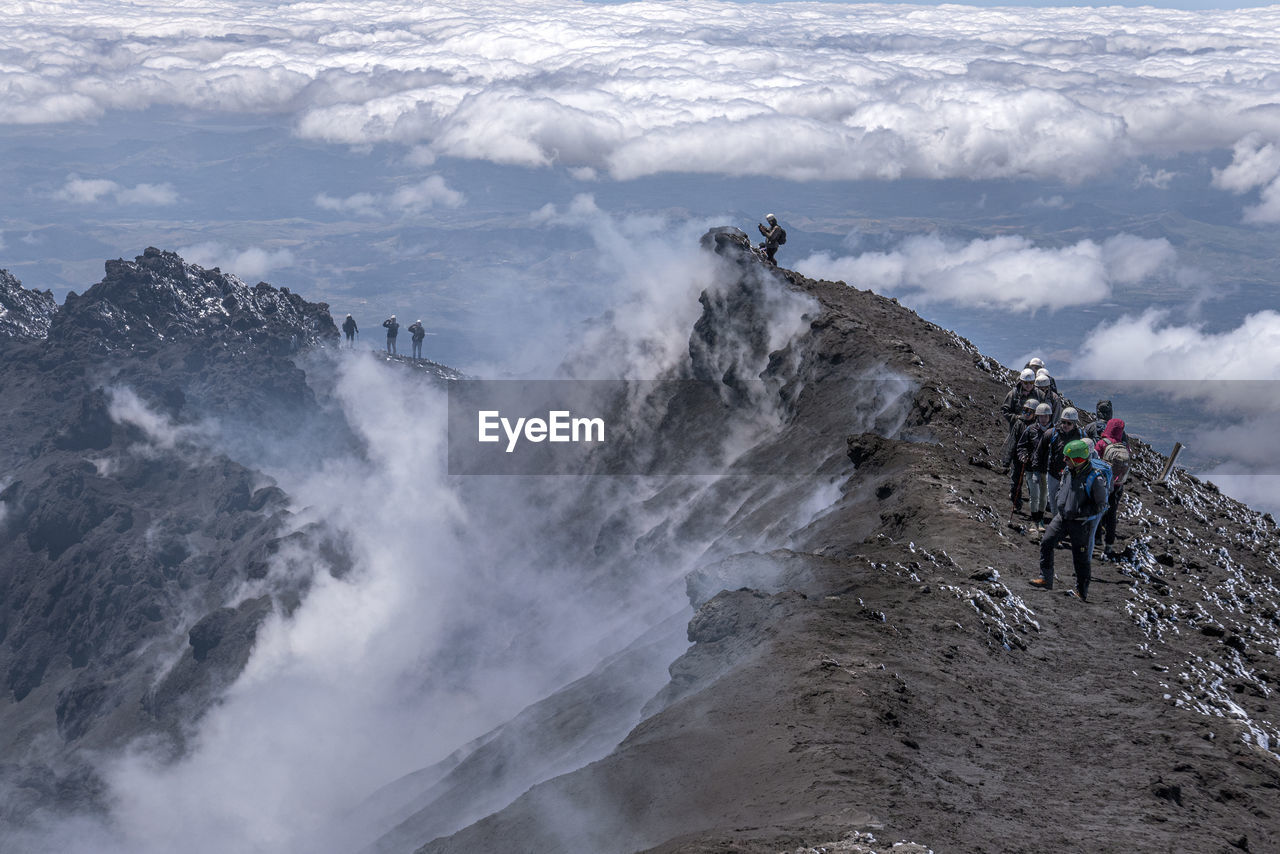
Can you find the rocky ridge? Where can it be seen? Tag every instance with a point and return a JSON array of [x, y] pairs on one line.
[[24, 313], [889, 671], [117, 533]]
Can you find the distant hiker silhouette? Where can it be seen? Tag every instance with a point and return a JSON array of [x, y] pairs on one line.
[[418, 334], [350, 329], [393, 329]]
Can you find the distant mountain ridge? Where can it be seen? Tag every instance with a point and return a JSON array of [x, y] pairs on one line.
[[105, 552]]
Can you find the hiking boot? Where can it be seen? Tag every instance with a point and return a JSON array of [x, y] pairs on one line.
[[1041, 583], [1076, 594], [1110, 551]]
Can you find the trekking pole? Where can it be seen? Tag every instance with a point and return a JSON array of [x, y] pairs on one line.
[[1017, 493], [1168, 466]]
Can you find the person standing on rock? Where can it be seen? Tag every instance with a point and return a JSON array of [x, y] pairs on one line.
[[418, 334], [350, 329], [774, 236], [393, 329], [1081, 499], [1037, 464]]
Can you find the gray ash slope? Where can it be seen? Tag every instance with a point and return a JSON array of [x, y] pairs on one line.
[[890, 671], [117, 557]]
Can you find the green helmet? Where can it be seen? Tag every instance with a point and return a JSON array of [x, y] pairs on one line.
[[1076, 449]]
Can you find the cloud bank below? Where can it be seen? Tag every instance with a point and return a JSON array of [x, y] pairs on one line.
[[798, 90], [1000, 272]]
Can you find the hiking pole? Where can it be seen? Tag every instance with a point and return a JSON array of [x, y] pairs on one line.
[[1017, 492], [1168, 466]]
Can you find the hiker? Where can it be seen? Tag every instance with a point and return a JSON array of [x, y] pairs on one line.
[[418, 334], [1017, 465], [1114, 451], [1047, 393], [1068, 430], [1035, 463], [350, 329], [1037, 364], [774, 236], [1081, 498], [393, 329], [1024, 388], [1105, 414]]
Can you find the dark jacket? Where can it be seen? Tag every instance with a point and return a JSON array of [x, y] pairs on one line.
[[1074, 501], [349, 326], [418, 332], [1029, 446], [1053, 442], [393, 327], [1012, 406], [772, 236], [1051, 397], [1019, 427]]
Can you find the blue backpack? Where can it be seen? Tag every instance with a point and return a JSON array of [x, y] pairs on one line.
[[1097, 468]]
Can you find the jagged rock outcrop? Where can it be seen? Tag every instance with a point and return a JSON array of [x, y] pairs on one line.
[[118, 534], [24, 313], [160, 297]]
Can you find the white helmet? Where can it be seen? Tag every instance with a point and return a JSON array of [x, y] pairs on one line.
[[1044, 409], [1041, 372], [1027, 375], [1042, 381], [1088, 442], [1030, 404], [771, 219], [1070, 414], [419, 320], [1037, 362]]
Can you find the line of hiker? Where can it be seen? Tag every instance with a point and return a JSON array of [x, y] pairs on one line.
[[1075, 473], [416, 331]]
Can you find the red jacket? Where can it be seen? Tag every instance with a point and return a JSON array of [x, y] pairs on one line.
[[1113, 432]]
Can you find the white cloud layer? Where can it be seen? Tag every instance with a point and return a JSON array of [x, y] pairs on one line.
[[802, 90], [1147, 347], [88, 191], [1255, 163], [1005, 272], [1236, 372], [250, 264], [430, 193]]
